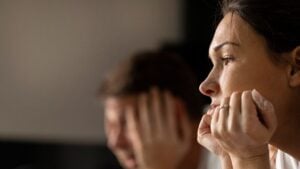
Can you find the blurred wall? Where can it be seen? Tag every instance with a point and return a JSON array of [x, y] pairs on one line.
[[53, 54]]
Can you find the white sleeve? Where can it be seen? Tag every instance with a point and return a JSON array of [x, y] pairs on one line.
[[285, 161]]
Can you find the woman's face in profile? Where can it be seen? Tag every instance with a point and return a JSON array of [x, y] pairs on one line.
[[241, 61]]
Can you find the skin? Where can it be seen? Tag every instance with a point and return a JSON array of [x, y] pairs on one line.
[[262, 95], [137, 131]]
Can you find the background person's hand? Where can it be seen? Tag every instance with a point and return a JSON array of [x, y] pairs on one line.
[[160, 132]]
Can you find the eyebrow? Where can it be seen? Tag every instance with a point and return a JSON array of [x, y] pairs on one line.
[[217, 47]]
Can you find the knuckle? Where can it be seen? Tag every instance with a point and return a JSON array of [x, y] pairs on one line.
[[246, 94], [223, 132], [232, 127], [235, 94], [248, 129], [215, 134]]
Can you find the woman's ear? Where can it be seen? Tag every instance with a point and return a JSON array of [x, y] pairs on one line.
[[294, 70]]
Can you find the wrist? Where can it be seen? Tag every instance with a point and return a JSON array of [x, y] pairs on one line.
[[250, 153], [258, 161], [225, 161]]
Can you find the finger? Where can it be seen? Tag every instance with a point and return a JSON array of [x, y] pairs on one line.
[[266, 109], [250, 121], [157, 112], [143, 110], [210, 110], [223, 116], [205, 137], [204, 127], [214, 124], [170, 114], [133, 126], [234, 111]]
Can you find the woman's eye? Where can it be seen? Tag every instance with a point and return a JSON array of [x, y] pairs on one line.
[[227, 59]]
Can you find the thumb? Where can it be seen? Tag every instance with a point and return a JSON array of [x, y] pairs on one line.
[[205, 138], [266, 111]]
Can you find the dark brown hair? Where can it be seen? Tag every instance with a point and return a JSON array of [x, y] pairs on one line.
[[278, 21], [164, 70]]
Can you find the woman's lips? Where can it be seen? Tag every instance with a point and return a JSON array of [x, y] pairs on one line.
[[212, 108]]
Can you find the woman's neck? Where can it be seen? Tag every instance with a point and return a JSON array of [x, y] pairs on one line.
[[287, 137]]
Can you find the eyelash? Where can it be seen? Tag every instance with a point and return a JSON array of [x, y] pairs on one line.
[[227, 59]]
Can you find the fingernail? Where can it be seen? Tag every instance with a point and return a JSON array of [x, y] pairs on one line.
[[259, 98], [261, 101]]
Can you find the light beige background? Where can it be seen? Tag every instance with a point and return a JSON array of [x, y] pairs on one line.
[[53, 54]]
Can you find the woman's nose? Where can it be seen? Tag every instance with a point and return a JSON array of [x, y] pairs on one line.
[[209, 87]]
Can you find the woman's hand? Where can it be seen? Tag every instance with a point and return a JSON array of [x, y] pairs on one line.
[[206, 139], [243, 126], [160, 131]]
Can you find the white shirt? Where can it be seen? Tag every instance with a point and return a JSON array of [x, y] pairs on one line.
[[208, 160], [285, 161]]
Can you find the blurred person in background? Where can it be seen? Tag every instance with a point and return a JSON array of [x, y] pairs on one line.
[[151, 111]]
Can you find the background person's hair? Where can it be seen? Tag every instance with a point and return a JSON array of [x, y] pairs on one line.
[[166, 71], [278, 21]]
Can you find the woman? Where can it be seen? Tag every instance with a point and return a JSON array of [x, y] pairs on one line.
[[254, 85]]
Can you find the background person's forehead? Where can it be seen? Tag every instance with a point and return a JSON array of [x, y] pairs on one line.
[[115, 107]]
